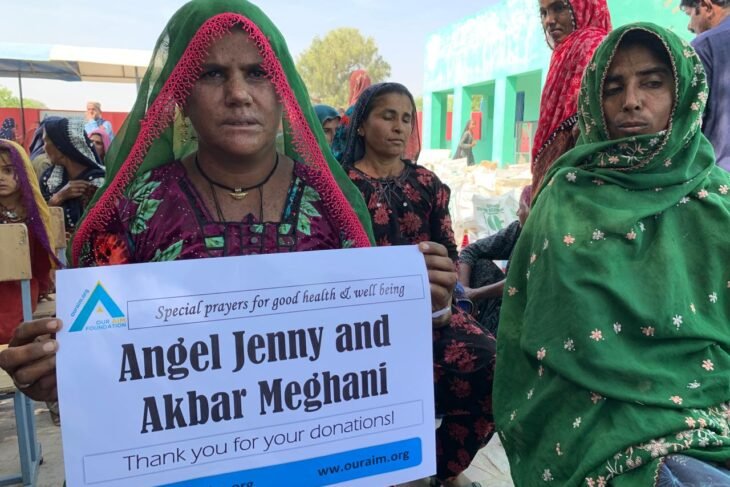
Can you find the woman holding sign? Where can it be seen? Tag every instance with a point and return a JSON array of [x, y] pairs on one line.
[[195, 173]]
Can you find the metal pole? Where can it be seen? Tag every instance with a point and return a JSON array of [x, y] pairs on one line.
[[136, 78], [22, 108]]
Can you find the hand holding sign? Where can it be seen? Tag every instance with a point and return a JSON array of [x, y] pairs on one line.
[[30, 359]]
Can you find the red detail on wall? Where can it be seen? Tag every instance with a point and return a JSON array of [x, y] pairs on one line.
[[32, 119]]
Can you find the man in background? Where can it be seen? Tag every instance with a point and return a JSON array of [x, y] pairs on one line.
[[710, 20], [94, 119]]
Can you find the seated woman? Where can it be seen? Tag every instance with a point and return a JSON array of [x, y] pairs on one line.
[[76, 172], [21, 202], [614, 337], [226, 191], [409, 204], [482, 279]]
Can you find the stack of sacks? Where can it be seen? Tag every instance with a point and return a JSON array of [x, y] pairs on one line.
[[484, 199]]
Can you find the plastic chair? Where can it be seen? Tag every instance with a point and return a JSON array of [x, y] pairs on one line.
[[15, 266]]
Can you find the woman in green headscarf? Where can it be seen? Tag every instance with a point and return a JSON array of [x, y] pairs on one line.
[[194, 172], [614, 338]]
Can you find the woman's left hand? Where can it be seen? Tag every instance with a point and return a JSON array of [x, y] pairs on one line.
[[441, 274]]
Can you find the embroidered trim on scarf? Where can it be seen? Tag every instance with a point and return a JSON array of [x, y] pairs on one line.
[[175, 92], [666, 133]]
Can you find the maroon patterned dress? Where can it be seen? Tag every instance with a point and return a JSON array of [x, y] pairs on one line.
[[162, 217], [410, 208]]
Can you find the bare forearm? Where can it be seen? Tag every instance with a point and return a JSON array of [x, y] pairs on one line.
[[55, 200], [489, 291]]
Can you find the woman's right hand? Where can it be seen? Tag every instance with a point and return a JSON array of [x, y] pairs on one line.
[[30, 359], [72, 190]]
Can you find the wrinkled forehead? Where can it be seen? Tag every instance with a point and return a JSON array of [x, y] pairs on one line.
[[235, 44]]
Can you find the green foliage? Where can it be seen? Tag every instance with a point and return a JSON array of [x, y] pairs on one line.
[[8, 100], [327, 64]]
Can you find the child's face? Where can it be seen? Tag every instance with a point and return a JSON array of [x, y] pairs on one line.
[[8, 178]]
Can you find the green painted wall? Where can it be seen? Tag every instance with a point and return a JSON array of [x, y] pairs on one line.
[[498, 52], [485, 146]]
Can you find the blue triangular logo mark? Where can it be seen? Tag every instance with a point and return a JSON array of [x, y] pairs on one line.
[[99, 297]]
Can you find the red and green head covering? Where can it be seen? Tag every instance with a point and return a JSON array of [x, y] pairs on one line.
[[614, 335], [155, 133]]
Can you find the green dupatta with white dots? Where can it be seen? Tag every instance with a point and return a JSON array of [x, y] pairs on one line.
[[614, 337]]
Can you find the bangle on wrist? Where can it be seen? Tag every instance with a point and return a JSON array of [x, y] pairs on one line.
[[441, 312]]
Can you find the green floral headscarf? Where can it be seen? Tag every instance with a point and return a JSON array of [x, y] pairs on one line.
[[155, 133], [614, 337]]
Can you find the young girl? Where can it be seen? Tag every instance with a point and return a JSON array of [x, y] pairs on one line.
[[409, 204], [21, 202]]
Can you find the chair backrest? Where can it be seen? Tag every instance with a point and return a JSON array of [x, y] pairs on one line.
[[14, 252], [58, 227]]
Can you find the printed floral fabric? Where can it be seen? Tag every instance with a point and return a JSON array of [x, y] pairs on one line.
[[410, 208], [617, 303], [414, 207], [162, 217], [463, 372]]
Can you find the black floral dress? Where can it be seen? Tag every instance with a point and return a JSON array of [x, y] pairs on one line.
[[410, 208]]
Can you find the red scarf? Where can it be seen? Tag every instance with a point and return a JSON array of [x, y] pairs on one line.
[[359, 81], [592, 22]]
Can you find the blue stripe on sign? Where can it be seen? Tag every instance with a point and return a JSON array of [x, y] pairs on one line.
[[327, 470]]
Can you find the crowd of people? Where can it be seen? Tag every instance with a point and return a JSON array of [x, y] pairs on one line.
[[601, 357]]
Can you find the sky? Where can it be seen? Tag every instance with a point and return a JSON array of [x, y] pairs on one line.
[[400, 29]]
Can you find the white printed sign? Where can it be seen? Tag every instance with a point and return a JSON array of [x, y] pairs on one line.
[[305, 369]]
